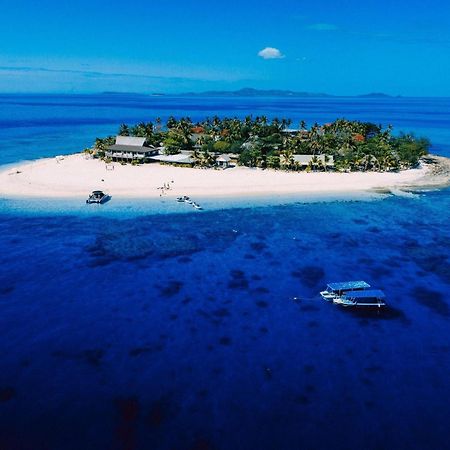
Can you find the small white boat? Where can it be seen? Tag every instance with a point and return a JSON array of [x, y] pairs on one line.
[[196, 205], [328, 296]]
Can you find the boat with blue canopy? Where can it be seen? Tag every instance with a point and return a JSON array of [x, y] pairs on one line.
[[335, 290], [373, 297]]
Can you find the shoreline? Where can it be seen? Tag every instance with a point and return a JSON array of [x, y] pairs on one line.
[[74, 176]]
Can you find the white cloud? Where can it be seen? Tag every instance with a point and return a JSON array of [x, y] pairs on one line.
[[270, 53], [322, 27]]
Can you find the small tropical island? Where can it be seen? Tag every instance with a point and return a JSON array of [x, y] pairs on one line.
[[239, 157]]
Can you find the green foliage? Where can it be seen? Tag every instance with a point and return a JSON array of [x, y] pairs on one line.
[[142, 129], [124, 130], [250, 158], [205, 159], [208, 146], [235, 147], [221, 146], [171, 122], [100, 146], [261, 142], [409, 149], [273, 162], [173, 143]]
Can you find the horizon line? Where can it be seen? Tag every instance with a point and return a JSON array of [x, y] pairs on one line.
[[322, 95]]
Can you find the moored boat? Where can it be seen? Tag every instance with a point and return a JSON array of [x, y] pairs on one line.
[[372, 298], [336, 290], [99, 197]]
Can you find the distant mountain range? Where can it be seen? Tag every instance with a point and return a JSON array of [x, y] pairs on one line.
[[250, 92]]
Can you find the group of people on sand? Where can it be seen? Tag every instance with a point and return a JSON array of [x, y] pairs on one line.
[[165, 187]]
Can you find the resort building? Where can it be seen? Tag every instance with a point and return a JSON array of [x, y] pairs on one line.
[[128, 149], [291, 131], [223, 161], [303, 135], [184, 158], [303, 161]]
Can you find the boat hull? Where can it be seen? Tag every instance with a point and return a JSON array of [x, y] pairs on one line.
[[98, 201], [348, 303]]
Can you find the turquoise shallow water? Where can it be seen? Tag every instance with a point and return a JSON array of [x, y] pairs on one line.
[[139, 325]]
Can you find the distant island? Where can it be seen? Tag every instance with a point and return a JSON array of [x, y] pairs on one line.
[[251, 92]]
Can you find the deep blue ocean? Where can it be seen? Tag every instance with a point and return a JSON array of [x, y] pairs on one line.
[[140, 326]]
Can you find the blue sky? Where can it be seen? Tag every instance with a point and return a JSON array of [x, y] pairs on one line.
[[347, 47]]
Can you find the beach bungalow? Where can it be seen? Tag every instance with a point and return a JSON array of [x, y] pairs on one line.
[[130, 148], [223, 161]]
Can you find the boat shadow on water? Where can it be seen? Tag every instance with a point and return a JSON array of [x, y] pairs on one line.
[[107, 199], [376, 313]]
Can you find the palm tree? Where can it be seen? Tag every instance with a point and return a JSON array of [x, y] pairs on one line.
[[388, 162], [171, 122], [287, 158], [285, 123], [124, 130], [369, 161], [184, 127], [327, 159], [315, 163]]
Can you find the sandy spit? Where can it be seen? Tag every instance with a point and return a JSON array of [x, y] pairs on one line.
[[75, 176]]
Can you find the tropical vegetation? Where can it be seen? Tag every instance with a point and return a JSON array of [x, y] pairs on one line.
[[264, 143]]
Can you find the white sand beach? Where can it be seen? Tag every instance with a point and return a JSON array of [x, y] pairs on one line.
[[75, 176]]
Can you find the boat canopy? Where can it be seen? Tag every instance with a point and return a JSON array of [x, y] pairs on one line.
[[376, 293], [348, 285]]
